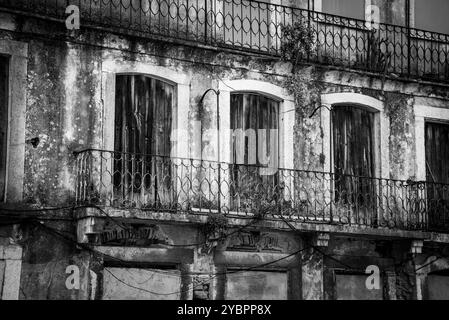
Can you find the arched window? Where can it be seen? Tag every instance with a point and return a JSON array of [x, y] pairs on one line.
[[255, 146], [353, 149], [143, 126], [353, 141], [143, 115], [256, 117]]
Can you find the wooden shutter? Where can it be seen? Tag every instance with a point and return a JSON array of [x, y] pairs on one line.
[[4, 66]]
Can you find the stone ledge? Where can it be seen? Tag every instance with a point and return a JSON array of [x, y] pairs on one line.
[[135, 254], [277, 225], [438, 237]]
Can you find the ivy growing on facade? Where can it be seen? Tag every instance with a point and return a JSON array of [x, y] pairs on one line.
[[214, 230], [297, 46]]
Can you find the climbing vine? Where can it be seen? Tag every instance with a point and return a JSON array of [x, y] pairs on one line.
[[297, 45], [297, 42], [214, 230], [306, 91], [216, 227], [396, 109]]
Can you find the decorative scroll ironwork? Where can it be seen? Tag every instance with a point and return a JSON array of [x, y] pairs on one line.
[[256, 26], [193, 186]]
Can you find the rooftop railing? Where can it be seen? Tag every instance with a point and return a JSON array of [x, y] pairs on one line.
[[257, 27], [137, 181]]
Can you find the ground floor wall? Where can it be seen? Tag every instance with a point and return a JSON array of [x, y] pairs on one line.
[[135, 259]]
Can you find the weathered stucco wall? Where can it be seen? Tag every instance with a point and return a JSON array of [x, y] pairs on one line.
[[66, 109]]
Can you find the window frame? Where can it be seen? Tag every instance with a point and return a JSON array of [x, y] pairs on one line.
[[5, 112], [287, 113], [381, 133], [342, 184], [127, 188], [173, 107], [279, 101], [438, 122], [15, 141], [180, 258], [287, 116], [343, 273], [11, 256], [373, 169], [424, 113], [381, 129], [111, 67]]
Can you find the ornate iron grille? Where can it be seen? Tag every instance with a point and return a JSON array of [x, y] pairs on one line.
[[307, 196], [256, 27]]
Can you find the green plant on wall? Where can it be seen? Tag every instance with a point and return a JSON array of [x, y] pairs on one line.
[[305, 90], [297, 42], [214, 230], [296, 46], [374, 59]]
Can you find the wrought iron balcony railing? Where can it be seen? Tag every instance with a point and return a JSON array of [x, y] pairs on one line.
[[124, 180], [257, 27]]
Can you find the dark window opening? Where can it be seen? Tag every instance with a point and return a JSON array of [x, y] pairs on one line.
[[256, 285], [143, 126], [137, 283], [346, 8], [4, 76], [431, 15], [353, 287], [437, 286], [255, 150], [353, 147], [437, 170]]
